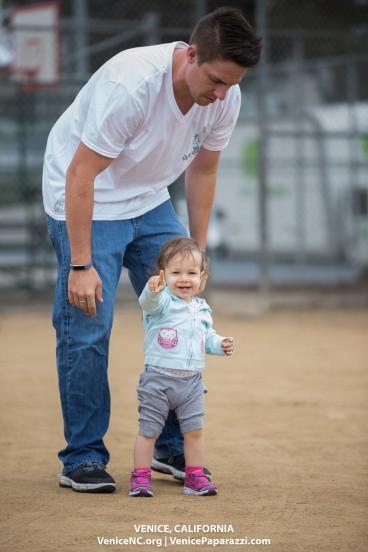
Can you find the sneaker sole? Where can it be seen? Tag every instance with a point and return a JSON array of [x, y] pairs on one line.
[[146, 493], [66, 482], [165, 468], [189, 491]]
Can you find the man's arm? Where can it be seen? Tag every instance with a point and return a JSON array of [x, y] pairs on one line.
[[84, 285], [200, 184]]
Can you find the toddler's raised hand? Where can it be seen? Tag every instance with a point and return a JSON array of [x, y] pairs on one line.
[[157, 283], [228, 345]]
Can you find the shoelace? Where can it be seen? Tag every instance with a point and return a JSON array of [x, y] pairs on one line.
[[91, 466]]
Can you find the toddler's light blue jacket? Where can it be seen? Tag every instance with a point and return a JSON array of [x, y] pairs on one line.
[[175, 337]]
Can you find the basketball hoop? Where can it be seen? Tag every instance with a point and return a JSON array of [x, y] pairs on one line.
[[26, 78], [35, 43]]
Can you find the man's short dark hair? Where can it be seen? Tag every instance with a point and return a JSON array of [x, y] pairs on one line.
[[226, 35]]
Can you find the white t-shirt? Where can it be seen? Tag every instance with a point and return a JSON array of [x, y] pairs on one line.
[[127, 111]]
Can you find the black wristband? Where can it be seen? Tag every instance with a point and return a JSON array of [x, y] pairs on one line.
[[81, 266]]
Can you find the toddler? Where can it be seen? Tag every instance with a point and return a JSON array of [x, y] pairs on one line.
[[178, 333]]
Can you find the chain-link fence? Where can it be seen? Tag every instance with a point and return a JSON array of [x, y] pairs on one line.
[[293, 183]]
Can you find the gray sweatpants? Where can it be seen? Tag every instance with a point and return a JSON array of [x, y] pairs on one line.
[[159, 393]]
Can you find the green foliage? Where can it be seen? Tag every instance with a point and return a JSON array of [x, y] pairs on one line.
[[250, 158], [365, 145]]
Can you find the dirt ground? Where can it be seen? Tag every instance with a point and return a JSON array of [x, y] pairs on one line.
[[286, 439]]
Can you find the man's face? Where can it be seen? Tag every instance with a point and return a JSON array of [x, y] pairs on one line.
[[211, 81]]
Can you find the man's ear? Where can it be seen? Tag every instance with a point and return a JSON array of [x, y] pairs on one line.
[[192, 53]]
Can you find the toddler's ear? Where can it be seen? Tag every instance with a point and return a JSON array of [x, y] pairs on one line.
[[203, 274]]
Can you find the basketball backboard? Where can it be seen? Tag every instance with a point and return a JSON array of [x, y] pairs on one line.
[[35, 44]]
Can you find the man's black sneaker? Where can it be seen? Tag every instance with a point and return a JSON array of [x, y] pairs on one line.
[[175, 465], [90, 477]]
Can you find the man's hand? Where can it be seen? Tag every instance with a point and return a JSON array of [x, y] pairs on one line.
[[157, 283], [228, 346], [84, 289]]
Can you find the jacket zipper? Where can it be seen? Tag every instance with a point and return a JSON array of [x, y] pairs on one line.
[[190, 340]]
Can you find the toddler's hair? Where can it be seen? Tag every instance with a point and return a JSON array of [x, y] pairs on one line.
[[183, 247]]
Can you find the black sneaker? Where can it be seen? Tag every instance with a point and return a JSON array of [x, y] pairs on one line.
[[175, 465], [90, 477]]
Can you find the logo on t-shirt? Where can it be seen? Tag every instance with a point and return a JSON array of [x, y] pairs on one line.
[[59, 207], [195, 147]]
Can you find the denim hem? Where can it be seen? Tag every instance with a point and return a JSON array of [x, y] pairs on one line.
[[77, 464]]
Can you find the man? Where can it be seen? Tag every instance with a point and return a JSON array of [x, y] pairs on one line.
[[143, 118]]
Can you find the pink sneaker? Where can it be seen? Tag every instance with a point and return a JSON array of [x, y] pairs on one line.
[[196, 483], [140, 483]]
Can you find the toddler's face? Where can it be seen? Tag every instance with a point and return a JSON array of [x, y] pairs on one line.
[[183, 275]]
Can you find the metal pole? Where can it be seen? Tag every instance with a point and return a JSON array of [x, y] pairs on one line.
[[80, 13], [151, 28], [299, 108], [352, 95], [264, 277], [200, 9]]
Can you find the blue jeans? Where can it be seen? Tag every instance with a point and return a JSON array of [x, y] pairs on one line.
[[83, 342]]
